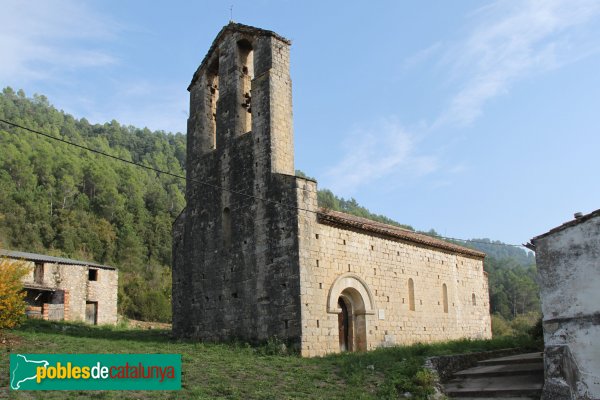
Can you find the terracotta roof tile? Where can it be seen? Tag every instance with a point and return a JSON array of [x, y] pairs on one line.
[[346, 221]]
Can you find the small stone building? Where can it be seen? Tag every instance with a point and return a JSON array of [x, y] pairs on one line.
[[259, 258], [568, 262], [70, 290]]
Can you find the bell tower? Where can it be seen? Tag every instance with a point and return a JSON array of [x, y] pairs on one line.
[[235, 248], [243, 86]]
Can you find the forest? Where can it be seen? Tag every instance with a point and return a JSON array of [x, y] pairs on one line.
[[61, 200]]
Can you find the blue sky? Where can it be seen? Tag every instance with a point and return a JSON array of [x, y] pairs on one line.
[[475, 118]]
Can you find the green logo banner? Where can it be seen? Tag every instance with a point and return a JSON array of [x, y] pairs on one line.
[[95, 371]]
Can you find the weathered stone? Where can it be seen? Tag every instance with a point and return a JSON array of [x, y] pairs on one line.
[[255, 257], [569, 271], [64, 289]]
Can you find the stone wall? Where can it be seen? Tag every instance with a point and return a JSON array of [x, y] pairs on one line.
[[73, 280], [569, 269], [251, 259], [333, 259], [104, 291], [235, 265]]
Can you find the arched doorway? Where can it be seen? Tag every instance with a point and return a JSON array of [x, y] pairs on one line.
[[351, 300]]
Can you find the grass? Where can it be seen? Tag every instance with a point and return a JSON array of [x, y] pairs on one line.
[[239, 371]]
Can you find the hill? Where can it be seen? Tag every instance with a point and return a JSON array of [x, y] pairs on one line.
[[61, 200]]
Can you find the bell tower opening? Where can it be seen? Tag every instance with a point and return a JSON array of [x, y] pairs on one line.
[[246, 70], [212, 82]]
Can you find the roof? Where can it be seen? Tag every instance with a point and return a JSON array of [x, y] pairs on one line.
[[21, 255], [234, 27], [347, 221], [568, 224], [41, 288]]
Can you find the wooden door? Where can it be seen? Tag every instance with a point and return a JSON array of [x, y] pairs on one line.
[[343, 325], [91, 312]]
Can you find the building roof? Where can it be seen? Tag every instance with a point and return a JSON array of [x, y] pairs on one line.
[[568, 224], [347, 221], [42, 288], [234, 27], [21, 255]]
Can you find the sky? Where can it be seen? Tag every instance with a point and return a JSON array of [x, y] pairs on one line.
[[479, 119]]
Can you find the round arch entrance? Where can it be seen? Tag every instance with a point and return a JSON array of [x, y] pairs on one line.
[[351, 299]]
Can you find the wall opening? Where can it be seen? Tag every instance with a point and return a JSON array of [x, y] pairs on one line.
[[212, 78], [445, 297], [92, 274], [246, 69], [352, 322], [351, 299], [91, 312], [411, 295], [344, 325], [474, 299], [226, 220]]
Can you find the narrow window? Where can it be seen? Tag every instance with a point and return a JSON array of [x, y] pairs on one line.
[[226, 226], [445, 297], [92, 274], [213, 98], [246, 67], [38, 273], [474, 299], [411, 294]]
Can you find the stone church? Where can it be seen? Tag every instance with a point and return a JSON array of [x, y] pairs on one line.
[[254, 257]]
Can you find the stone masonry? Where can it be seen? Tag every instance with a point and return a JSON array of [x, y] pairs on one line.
[[568, 264], [258, 258], [69, 288]]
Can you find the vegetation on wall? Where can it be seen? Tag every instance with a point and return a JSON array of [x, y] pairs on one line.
[[59, 200]]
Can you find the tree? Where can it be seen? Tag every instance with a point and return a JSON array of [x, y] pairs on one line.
[[12, 306]]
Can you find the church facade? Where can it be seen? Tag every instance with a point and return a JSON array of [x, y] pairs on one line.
[[254, 257]]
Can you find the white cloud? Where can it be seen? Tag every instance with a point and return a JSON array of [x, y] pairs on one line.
[[512, 40], [422, 56], [39, 39], [45, 45], [508, 41], [371, 153]]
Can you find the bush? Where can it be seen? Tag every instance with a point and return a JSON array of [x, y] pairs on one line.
[[12, 306], [523, 323], [500, 326], [537, 331], [274, 346]]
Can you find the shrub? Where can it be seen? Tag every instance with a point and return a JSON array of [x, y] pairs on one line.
[[523, 323], [537, 331], [274, 346], [12, 306], [500, 327]]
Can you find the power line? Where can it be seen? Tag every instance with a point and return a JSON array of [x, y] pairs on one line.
[[158, 171], [213, 186]]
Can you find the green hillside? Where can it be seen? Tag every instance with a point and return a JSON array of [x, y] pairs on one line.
[[61, 200]]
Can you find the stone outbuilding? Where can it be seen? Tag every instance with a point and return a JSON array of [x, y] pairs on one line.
[[254, 257], [70, 290], [568, 263]]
